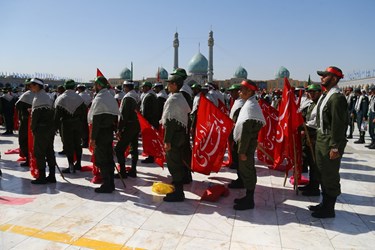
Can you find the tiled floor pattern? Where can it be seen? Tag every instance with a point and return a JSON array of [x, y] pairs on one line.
[[70, 215]]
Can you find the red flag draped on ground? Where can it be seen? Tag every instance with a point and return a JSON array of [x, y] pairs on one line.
[[152, 141], [32, 161], [288, 140], [267, 135], [211, 136]]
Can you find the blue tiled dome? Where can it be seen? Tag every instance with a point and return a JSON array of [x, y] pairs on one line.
[[240, 73], [198, 65], [163, 73], [126, 74], [283, 72]]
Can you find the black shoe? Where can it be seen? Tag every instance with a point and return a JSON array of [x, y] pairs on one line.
[[349, 137], [61, 152], [132, 173], [372, 146], [103, 189], [39, 181], [7, 133], [51, 179], [359, 141], [123, 175], [236, 184], [77, 166], [148, 160], [239, 200], [24, 164], [1, 173], [311, 192], [315, 208], [174, 197], [324, 213], [303, 188]]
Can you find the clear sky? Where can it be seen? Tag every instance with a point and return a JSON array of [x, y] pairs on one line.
[[72, 38]]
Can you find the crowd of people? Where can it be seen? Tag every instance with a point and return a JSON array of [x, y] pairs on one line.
[[111, 114]]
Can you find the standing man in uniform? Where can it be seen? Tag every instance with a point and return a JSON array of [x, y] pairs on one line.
[[128, 130], [371, 118], [103, 117], [70, 112], [81, 89], [149, 110], [331, 140], [161, 97], [314, 92], [176, 139], [23, 105], [249, 122], [351, 98], [361, 109], [43, 129], [8, 102]]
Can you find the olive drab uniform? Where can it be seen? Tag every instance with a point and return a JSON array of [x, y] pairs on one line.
[[43, 129], [332, 124], [70, 113], [128, 129], [23, 105], [103, 117]]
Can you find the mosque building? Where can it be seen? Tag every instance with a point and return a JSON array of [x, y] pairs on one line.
[[200, 70]]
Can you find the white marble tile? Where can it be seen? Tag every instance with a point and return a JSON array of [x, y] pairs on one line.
[[110, 233], [257, 235], [92, 211], [154, 240], [38, 244], [202, 243], [9, 240]]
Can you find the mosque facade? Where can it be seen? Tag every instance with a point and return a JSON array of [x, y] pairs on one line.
[[200, 70]]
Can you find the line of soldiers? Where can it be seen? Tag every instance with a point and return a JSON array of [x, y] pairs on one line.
[[176, 114], [361, 109]]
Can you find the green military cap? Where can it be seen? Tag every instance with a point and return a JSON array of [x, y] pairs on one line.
[[180, 72], [314, 87], [236, 86], [28, 81], [69, 83], [196, 86], [175, 78], [148, 84]]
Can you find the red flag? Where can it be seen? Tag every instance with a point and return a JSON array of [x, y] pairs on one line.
[[211, 136], [287, 136], [98, 73], [158, 76], [267, 135], [152, 141], [30, 140], [223, 108]]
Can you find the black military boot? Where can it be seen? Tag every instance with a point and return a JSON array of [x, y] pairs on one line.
[[107, 186], [51, 175], [236, 184], [315, 208], [327, 210], [361, 139], [149, 159], [122, 172], [26, 163], [246, 202], [177, 195], [133, 171], [69, 169], [41, 178], [78, 166]]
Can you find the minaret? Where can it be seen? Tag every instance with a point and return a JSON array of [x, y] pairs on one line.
[[176, 43], [210, 71]]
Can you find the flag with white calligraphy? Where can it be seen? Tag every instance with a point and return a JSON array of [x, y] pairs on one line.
[[211, 135]]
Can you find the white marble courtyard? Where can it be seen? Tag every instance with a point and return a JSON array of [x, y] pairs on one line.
[[72, 216]]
